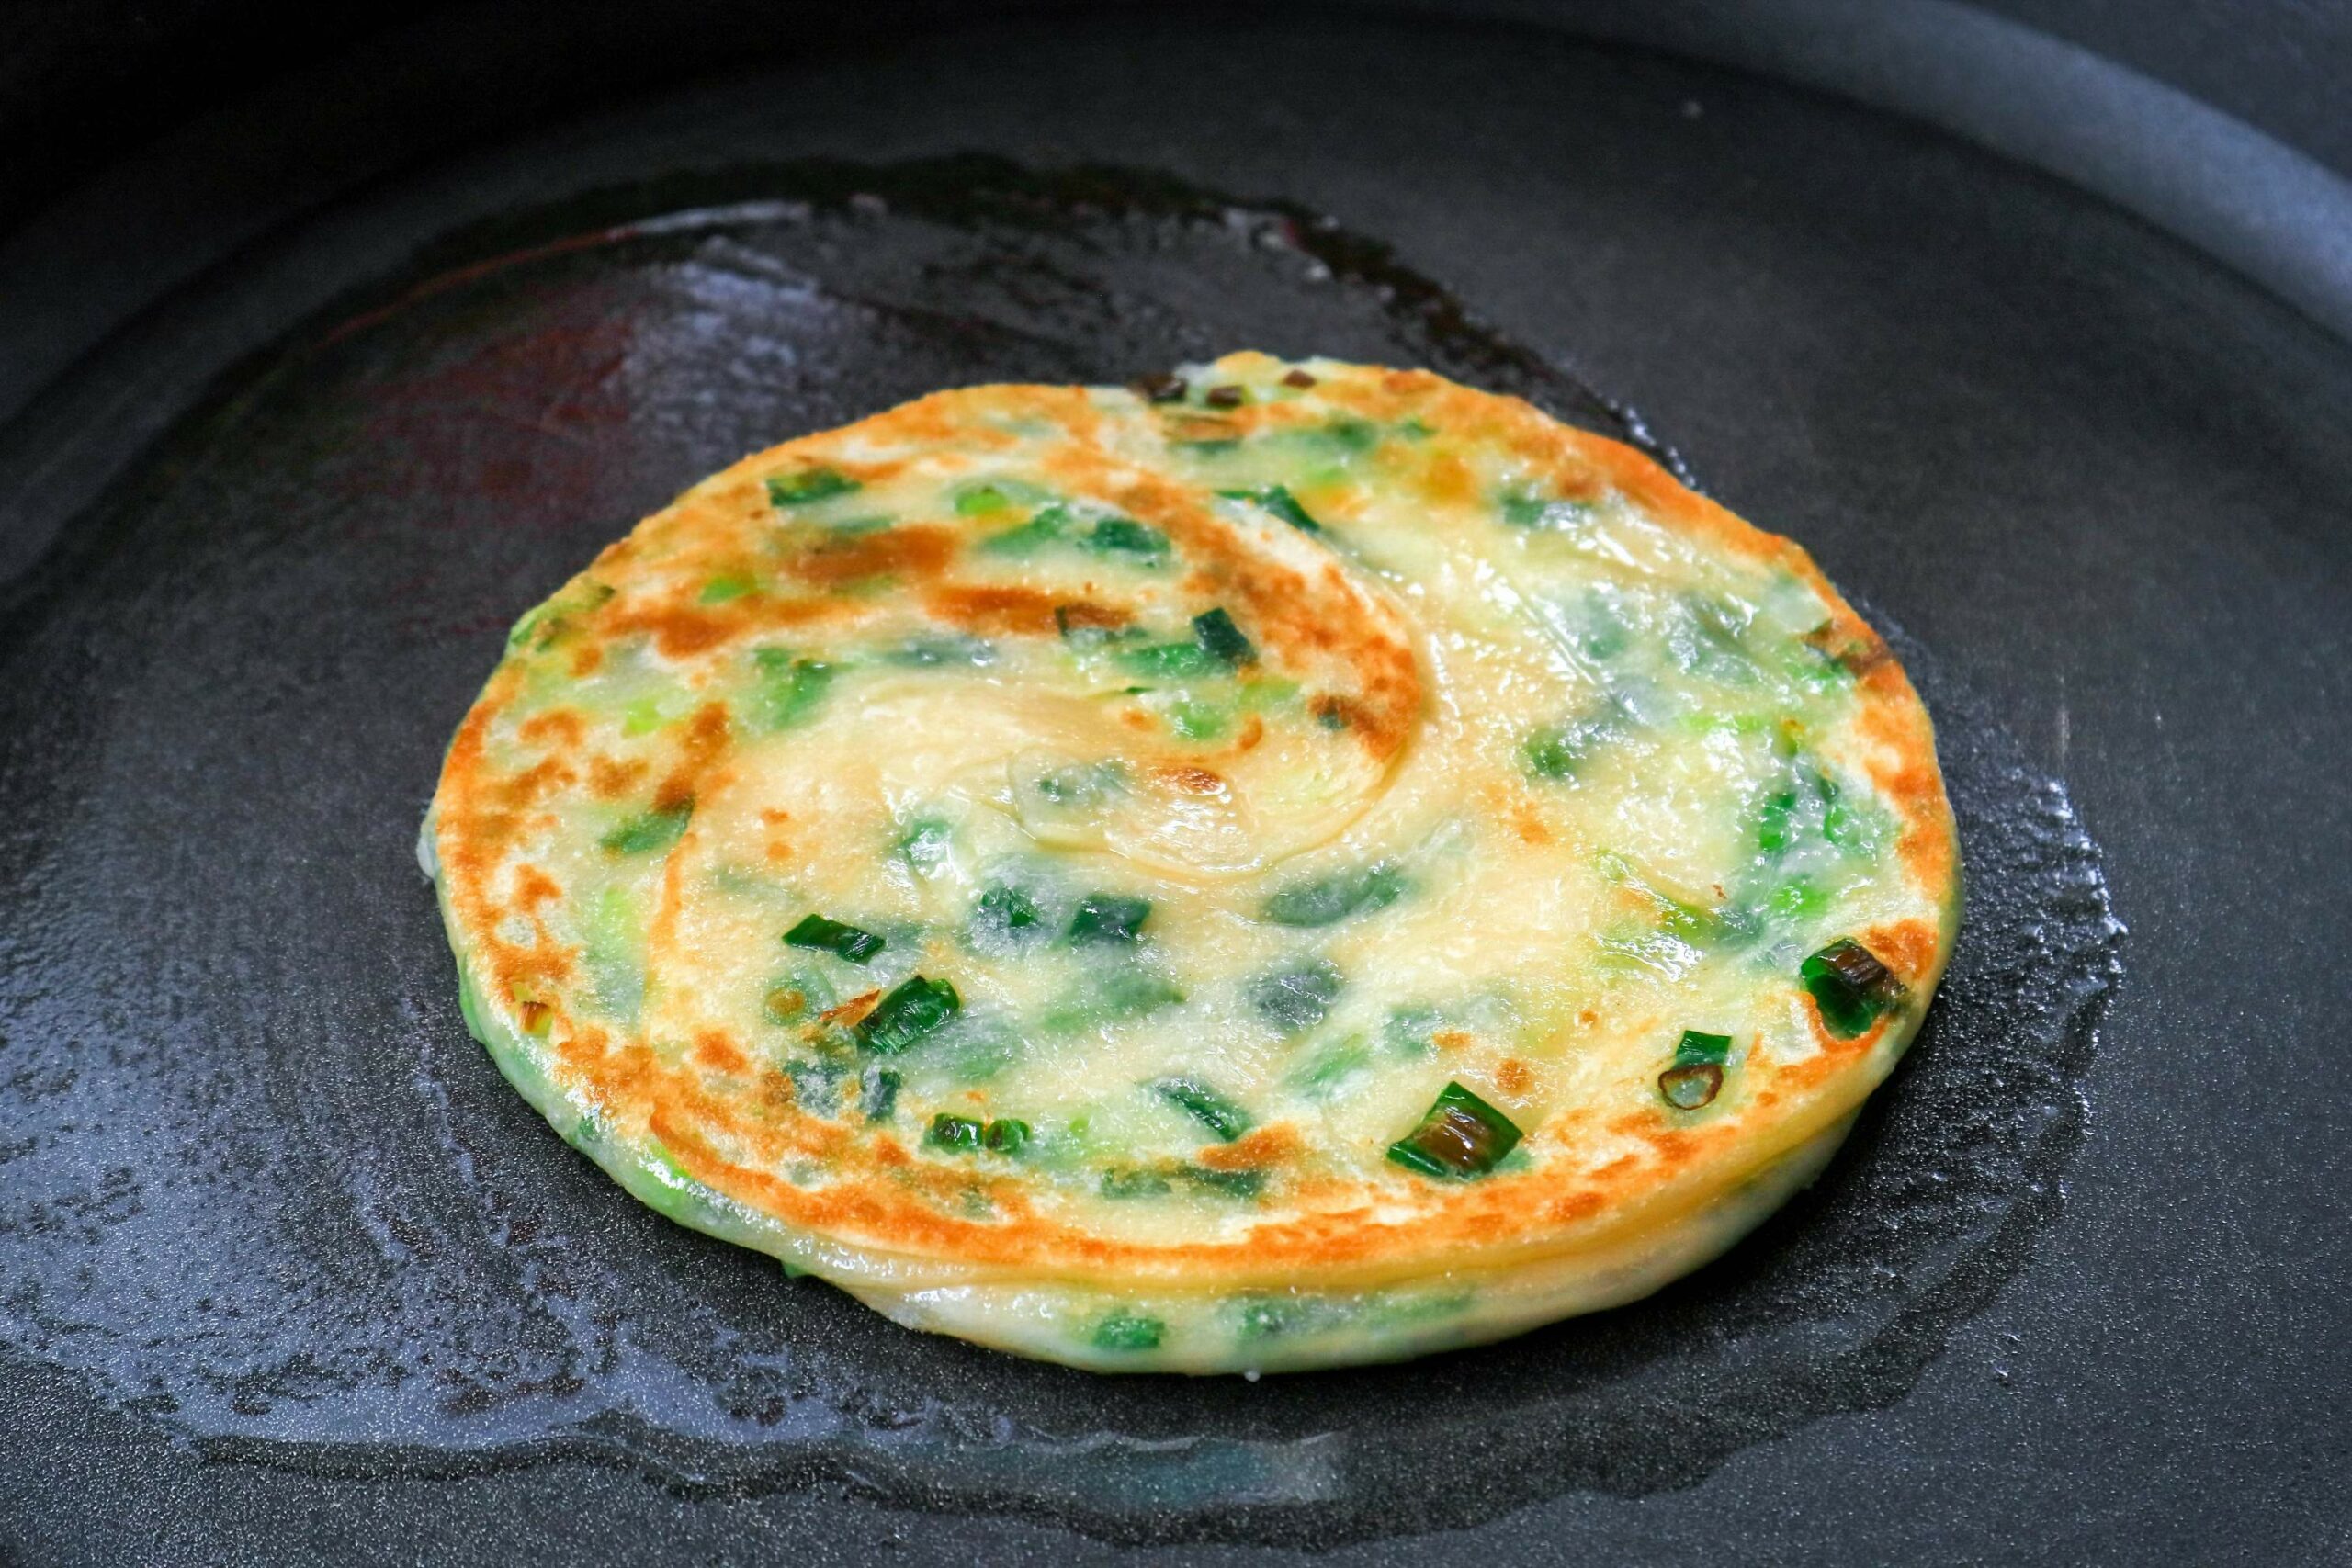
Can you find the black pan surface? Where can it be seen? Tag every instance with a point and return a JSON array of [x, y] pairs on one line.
[[286, 1271]]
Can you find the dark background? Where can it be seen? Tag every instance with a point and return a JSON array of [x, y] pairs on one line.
[[2153, 589]]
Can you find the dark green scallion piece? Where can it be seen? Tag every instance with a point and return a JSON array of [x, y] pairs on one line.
[[1695, 1049], [1278, 499], [1205, 1105], [1850, 986], [878, 1092], [1129, 1331], [832, 936], [1005, 916], [807, 486], [961, 1134], [1221, 640], [1006, 1136], [914, 1009], [1128, 537], [1462, 1137], [1107, 917], [1327, 900], [1297, 998], [655, 830]]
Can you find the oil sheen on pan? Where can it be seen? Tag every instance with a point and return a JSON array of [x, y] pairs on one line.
[[1290, 864]]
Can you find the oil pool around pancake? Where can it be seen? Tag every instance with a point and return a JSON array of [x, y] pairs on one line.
[[1283, 865]]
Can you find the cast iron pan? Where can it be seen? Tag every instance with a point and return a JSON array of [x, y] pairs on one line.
[[286, 1271]]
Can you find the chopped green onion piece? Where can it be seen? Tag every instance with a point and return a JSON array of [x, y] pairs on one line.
[[1205, 1105], [1525, 510], [878, 1092], [1297, 998], [1005, 916], [809, 485], [1278, 499], [961, 1134], [1220, 638], [1462, 1137], [1130, 1183], [981, 500], [1559, 752], [1128, 534], [1849, 986], [1006, 1136], [1169, 661], [832, 936], [925, 844], [1772, 820], [720, 589], [789, 688], [1107, 917], [1330, 899], [1230, 1183], [1129, 1331], [1695, 1049], [1107, 995], [914, 1009], [1197, 720], [1691, 1085], [656, 830]]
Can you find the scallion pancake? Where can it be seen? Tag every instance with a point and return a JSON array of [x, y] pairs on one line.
[[1289, 864]]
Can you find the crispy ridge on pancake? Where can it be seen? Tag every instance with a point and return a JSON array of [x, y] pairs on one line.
[[1437, 742]]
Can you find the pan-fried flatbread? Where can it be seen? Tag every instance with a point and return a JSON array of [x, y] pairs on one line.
[[1291, 865]]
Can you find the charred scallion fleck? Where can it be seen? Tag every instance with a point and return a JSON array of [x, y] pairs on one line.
[[1462, 1137], [832, 936], [911, 1011], [1850, 986], [1165, 387], [1224, 397]]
